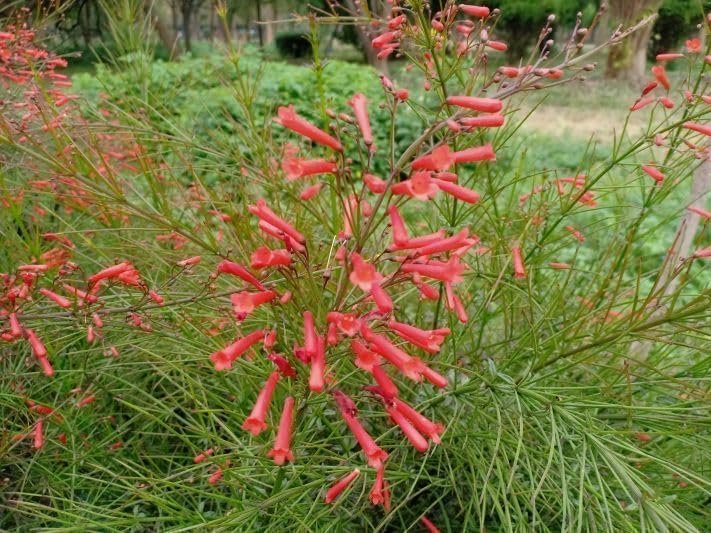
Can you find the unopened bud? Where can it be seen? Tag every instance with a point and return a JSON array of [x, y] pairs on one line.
[[589, 67], [331, 113], [551, 18]]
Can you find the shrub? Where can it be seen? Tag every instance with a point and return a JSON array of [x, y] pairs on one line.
[[293, 44], [272, 334]]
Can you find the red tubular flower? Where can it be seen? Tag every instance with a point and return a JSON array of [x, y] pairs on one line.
[[483, 121], [703, 213], [438, 159], [256, 421], [702, 253], [223, 359], [428, 340], [374, 454], [575, 233], [110, 272], [388, 388], [435, 378], [397, 225], [383, 39], [699, 128], [519, 269], [423, 424], [365, 359], [264, 257], [653, 172], [499, 46], [229, 267], [346, 323], [420, 186], [199, 458], [374, 183], [310, 337], [81, 295], [666, 102], [243, 302], [281, 452], [381, 298], [484, 105], [377, 494], [642, 102], [475, 154], [61, 301], [291, 244], [190, 261], [661, 74], [693, 46], [46, 366], [474, 11], [339, 486], [215, 476], [459, 192], [157, 298], [419, 242], [363, 274], [414, 436], [267, 215], [668, 57], [332, 334], [431, 528], [318, 367], [360, 109], [411, 367], [38, 440], [296, 168], [310, 192], [290, 120], [510, 72], [282, 364], [38, 349], [451, 271], [15, 327]]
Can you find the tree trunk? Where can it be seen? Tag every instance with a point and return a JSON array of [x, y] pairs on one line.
[[187, 13], [371, 56], [165, 33], [627, 60]]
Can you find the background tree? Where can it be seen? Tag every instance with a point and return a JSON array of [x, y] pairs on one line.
[[628, 59]]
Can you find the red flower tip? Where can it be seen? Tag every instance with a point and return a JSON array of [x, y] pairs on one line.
[[381, 298], [223, 359], [431, 528], [199, 458], [519, 269], [474, 11], [256, 421], [339, 486], [290, 120], [283, 365], [281, 452], [264, 257], [661, 75], [365, 359], [439, 159], [653, 172], [360, 109], [420, 186], [318, 366], [363, 274], [230, 267], [414, 436], [484, 105], [374, 183]]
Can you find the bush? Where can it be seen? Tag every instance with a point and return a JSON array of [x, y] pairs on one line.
[[376, 309], [294, 45]]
